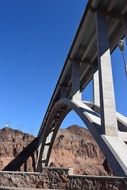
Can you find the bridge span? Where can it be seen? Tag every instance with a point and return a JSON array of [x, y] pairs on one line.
[[103, 24]]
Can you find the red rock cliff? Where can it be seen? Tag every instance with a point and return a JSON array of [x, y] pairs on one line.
[[74, 147]]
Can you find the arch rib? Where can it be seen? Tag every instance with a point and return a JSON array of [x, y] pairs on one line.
[[109, 145]]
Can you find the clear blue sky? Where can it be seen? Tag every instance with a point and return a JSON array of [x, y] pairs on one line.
[[35, 37]]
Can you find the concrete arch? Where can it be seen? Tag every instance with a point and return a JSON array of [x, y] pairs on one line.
[[92, 120]]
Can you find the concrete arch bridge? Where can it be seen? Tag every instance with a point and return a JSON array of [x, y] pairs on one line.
[[103, 24]]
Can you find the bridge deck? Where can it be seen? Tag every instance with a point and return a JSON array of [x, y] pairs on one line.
[[84, 48]]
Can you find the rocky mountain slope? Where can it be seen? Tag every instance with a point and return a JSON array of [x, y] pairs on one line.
[[74, 147], [12, 143]]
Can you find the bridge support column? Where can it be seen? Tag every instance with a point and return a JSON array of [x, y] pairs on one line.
[[42, 153], [96, 94], [76, 94], [107, 97]]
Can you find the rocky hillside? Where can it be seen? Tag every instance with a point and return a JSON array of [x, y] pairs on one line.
[[12, 143], [74, 147]]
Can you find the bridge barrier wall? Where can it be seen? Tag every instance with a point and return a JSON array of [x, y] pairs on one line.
[[50, 178], [96, 183], [59, 178]]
